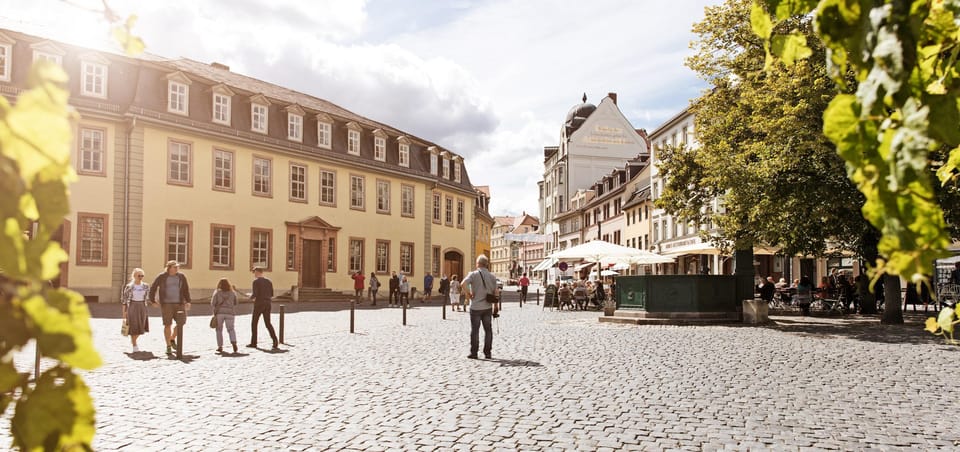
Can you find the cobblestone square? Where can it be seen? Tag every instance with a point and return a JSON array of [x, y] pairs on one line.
[[558, 381]]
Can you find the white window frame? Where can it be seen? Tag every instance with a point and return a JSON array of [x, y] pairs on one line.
[[328, 185], [223, 107], [380, 149], [433, 164], [353, 142], [461, 213], [295, 127], [456, 171], [403, 155], [357, 192], [41, 55], [183, 162], [6, 61], [300, 182], [223, 163], [221, 246], [266, 177], [383, 196], [183, 99], [96, 149], [260, 253], [178, 238], [324, 132], [85, 75], [407, 193], [446, 168], [259, 115]]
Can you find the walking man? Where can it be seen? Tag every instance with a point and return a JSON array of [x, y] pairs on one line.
[[480, 286], [174, 295], [262, 297], [427, 287], [394, 289], [524, 285]]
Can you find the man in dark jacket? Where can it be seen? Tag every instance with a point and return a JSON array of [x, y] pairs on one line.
[[174, 295], [262, 297], [394, 289], [444, 288]]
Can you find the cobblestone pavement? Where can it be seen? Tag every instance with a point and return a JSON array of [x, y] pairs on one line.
[[558, 381]]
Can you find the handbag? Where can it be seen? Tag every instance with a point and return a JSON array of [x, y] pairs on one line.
[[491, 297], [213, 321], [125, 328]]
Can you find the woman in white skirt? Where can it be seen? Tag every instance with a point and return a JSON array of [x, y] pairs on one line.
[[134, 301], [224, 302], [454, 293]]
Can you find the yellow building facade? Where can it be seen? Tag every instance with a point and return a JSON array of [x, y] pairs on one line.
[[187, 161]]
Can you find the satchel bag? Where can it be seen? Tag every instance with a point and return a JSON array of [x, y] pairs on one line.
[[491, 297], [125, 328], [213, 321]]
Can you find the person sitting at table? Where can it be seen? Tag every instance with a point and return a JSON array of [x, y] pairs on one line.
[[580, 296], [782, 284], [824, 288], [566, 296]]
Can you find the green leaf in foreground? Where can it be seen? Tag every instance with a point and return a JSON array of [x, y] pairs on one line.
[[57, 414]]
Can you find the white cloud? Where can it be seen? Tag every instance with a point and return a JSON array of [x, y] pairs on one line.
[[490, 80]]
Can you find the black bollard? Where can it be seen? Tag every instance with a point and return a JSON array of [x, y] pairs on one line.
[[181, 318], [404, 313], [444, 310], [352, 307], [538, 296], [282, 312]]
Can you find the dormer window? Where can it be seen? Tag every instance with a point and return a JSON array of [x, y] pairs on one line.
[[6, 56], [446, 168], [353, 138], [177, 97], [434, 155], [456, 170], [295, 123], [324, 130], [47, 51], [403, 152], [93, 76], [222, 104], [258, 118], [178, 93], [380, 145]]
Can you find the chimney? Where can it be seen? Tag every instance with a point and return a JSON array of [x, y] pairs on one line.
[[613, 97], [220, 66]]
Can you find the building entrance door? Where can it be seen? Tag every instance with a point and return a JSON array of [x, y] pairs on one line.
[[453, 264], [312, 263]]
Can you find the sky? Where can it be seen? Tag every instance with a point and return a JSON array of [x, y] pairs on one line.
[[490, 80]]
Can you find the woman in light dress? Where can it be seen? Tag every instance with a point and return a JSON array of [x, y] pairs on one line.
[[454, 292], [134, 301]]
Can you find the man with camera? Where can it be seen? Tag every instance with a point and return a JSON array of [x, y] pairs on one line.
[[480, 286]]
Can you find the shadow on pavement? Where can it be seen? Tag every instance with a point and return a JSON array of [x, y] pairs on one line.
[[234, 355], [515, 362], [141, 356], [861, 328], [186, 359]]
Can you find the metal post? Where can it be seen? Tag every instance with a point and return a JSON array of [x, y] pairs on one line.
[[282, 312], [181, 318], [538, 296], [444, 310], [352, 307], [36, 364], [404, 312]]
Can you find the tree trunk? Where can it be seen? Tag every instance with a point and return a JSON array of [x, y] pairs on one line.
[[892, 315], [868, 301]]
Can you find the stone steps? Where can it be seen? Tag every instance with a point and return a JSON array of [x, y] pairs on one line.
[[636, 317]]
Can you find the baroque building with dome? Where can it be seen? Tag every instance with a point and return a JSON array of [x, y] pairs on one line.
[[594, 139]]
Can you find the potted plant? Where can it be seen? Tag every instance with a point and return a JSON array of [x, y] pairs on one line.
[[609, 305]]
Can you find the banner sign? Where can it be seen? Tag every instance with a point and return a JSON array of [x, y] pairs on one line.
[[535, 238]]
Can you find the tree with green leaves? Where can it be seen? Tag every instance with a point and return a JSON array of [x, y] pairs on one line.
[[55, 412], [761, 150], [904, 112]]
